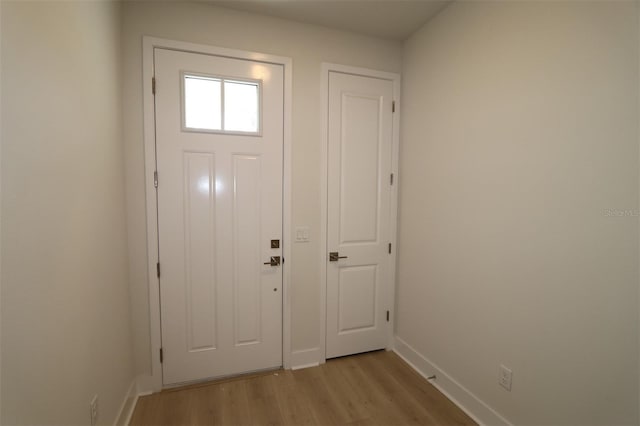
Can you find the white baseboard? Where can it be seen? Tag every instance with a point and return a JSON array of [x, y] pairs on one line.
[[306, 358], [128, 405], [475, 408]]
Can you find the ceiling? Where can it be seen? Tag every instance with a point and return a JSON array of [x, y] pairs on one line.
[[390, 19]]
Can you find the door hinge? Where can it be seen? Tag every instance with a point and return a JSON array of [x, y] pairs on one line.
[[162, 354], [387, 316], [393, 105], [158, 269], [391, 179], [155, 179], [389, 248], [153, 85]]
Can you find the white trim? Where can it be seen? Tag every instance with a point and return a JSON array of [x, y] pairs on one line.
[[303, 366], [393, 213], [287, 209], [638, 141], [128, 405], [364, 72], [0, 200], [324, 194], [154, 381], [473, 406], [306, 358]]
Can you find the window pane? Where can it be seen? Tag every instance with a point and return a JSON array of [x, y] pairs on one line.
[[202, 103], [240, 106]]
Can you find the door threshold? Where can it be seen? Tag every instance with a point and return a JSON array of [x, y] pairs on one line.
[[357, 354], [194, 384]]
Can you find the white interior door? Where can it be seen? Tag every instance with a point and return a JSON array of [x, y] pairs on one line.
[[219, 144], [359, 201]]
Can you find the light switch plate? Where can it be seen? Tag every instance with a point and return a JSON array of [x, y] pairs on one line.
[[505, 377], [302, 234]]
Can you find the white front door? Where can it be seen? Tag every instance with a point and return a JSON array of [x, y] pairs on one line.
[[359, 277], [219, 144]]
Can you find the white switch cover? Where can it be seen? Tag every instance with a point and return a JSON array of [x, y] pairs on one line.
[[505, 377], [93, 409], [302, 234]]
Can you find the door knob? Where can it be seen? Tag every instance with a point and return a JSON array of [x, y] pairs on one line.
[[275, 261], [334, 256]]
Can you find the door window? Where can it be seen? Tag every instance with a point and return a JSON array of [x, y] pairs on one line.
[[219, 105]]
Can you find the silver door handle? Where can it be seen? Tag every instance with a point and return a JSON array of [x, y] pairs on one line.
[[334, 256], [275, 261]]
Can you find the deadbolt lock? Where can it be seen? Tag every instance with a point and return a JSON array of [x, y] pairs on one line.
[[275, 243]]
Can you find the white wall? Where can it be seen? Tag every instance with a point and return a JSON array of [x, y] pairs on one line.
[[65, 309], [308, 46], [519, 134]]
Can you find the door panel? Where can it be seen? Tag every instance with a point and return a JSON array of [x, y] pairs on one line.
[[200, 233], [359, 196], [247, 255], [359, 168], [357, 298], [219, 206]]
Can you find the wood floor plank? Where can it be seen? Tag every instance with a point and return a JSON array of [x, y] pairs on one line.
[[376, 388], [356, 405], [374, 396], [173, 409], [208, 400], [234, 404], [405, 407], [326, 410], [143, 412], [292, 402], [263, 408], [442, 409]]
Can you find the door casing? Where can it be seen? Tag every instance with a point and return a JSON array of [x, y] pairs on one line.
[[153, 382], [324, 201]]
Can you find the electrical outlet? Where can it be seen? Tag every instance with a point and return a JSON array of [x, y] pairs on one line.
[[93, 407], [504, 378]]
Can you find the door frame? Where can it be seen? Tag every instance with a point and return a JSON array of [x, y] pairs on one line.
[[153, 383], [324, 194]]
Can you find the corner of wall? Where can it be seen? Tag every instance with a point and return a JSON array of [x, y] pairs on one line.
[[147, 384]]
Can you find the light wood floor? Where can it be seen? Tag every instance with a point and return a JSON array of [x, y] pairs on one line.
[[376, 388]]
